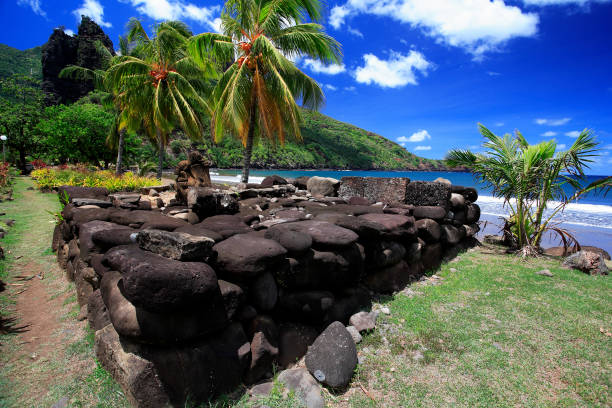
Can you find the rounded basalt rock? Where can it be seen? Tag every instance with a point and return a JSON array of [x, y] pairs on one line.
[[431, 256], [451, 235], [429, 211], [225, 225], [332, 358], [273, 180], [296, 242], [429, 230], [393, 278], [233, 297], [157, 328], [323, 234], [245, 256], [457, 200], [199, 231], [472, 213], [384, 253], [162, 285], [393, 226]]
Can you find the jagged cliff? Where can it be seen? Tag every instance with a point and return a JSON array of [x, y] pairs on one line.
[[62, 50]]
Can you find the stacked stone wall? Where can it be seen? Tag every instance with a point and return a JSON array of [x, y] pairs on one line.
[[188, 302]]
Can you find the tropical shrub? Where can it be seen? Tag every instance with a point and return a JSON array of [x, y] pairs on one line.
[[529, 178], [48, 179]]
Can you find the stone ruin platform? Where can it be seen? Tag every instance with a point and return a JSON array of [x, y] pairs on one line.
[[191, 295]]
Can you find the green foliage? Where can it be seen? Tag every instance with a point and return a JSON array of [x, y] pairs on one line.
[[529, 177], [20, 110], [48, 179], [14, 61], [76, 133]]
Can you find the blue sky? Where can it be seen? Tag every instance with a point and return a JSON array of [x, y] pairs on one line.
[[420, 72]]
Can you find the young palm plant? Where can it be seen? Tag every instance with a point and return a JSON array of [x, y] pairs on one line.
[[256, 94], [531, 177], [159, 87]]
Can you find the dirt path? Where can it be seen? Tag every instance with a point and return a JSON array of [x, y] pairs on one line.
[[49, 358]]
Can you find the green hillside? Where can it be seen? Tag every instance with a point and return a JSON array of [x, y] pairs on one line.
[[327, 143], [14, 61]]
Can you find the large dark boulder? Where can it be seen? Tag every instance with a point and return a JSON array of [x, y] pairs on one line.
[[206, 202], [244, 256], [233, 297], [195, 373], [199, 231], [264, 292], [324, 234], [104, 239], [392, 278], [273, 180], [136, 375], [97, 314], [393, 226], [472, 213], [175, 245], [429, 230], [145, 219], [163, 285], [332, 358], [305, 387], [339, 268], [429, 211], [382, 254], [224, 225], [295, 242], [144, 326], [431, 256], [451, 235]]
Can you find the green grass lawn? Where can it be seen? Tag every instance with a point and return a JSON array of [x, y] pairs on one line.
[[493, 333]]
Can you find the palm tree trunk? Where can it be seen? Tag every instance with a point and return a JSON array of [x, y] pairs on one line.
[[119, 169], [160, 165], [249, 145]]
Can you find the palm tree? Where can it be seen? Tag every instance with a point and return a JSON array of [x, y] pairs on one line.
[[159, 86], [528, 177], [256, 94]]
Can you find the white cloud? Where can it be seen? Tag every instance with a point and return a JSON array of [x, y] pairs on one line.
[[403, 41], [34, 5], [493, 73], [355, 32], [422, 148], [320, 68], [350, 88], [397, 71], [416, 137], [478, 26], [561, 146], [552, 122], [500, 124], [337, 16], [178, 10], [573, 133], [543, 3], [550, 133], [68, 31], [94, 10], [330, 87]]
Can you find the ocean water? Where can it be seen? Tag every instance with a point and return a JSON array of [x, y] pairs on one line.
[[589, 219]]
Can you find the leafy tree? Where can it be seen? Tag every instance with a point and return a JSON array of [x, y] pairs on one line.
[[256, 94], [159, 87], [21, 104], [76, 133], [529, 177]]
